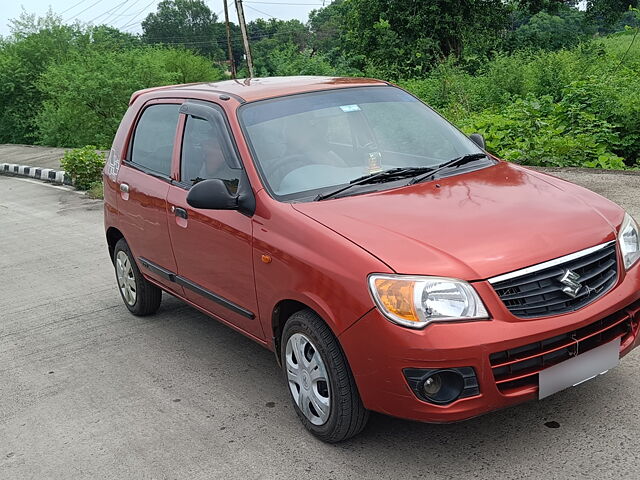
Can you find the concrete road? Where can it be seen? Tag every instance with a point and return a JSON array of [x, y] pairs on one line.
[[89, 391]]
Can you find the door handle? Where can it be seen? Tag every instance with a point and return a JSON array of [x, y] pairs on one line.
[[180, 212], [124, 191]]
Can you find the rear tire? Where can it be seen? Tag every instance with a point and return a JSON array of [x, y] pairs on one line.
[[140, 296], [323, 391]]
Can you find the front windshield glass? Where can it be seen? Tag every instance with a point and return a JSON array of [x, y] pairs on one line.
[[309, 143]]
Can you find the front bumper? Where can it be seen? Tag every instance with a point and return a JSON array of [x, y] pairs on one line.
[[378, 351]]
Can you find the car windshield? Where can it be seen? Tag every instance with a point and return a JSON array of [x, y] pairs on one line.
[[311, 143]]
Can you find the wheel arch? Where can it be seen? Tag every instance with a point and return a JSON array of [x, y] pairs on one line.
[[282, 311], [113, 236]]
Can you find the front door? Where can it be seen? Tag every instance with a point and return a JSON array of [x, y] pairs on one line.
[[213, 248]]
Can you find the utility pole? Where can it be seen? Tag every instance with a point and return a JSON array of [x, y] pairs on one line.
[[232, 64], [245, 38]]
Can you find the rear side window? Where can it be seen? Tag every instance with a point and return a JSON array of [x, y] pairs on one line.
[[153, 138], [206, 154]]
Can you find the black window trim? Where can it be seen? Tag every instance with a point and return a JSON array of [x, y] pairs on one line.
[[149, 171], [201, 109]]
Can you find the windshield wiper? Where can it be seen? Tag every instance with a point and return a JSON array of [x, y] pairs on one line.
[[456, 162], [383, 176]]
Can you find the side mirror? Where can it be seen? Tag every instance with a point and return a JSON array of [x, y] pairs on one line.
[[212, 195], [478, 140]]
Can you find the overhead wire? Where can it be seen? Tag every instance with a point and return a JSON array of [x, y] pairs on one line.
[[284, 3], [72, 7], [205, 39], [113, 13], [124, 14], [118, 13], [108, 11], [133, 20], [198, 37], [81, 12], [260, 11]]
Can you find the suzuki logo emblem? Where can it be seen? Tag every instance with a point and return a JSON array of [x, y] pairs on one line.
[[571, 284]]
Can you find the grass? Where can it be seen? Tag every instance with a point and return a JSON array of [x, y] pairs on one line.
[[96, 191]]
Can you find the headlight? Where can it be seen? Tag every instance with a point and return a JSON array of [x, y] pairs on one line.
[[415, 302], [629, 239]]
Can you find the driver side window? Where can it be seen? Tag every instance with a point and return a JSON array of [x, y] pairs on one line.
[[204, 156]]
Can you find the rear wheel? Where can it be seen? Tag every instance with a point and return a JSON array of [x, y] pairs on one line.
[[322, 388], [139, 295]]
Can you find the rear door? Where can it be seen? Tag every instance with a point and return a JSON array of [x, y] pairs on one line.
[[213, 248], [143, 182]]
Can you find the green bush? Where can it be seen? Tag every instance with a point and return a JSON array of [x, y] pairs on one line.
[[578, 107], [551, 32], [84, 165], [537, 131], [450, 88], [283, 60]]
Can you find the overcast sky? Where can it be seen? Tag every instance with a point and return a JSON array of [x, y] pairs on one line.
[[127, 14]]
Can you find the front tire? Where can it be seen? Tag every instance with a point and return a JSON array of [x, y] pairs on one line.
[[322, 387], [139, 295]]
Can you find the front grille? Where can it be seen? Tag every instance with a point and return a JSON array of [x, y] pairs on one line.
[[539, 293], [518, 368]]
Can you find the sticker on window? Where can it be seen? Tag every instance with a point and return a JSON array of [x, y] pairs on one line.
[[350, 108]]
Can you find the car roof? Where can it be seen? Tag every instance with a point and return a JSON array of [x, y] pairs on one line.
[[262, 88]]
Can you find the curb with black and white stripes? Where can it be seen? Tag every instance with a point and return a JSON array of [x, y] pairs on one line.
[[46, 174]]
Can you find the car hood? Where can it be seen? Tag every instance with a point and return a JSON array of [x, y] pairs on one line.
[[474, 225]]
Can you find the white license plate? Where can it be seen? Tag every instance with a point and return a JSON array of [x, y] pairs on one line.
[[579, 369]]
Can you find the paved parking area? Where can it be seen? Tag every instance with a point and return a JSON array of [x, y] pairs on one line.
[[33, 155], [89, 391]]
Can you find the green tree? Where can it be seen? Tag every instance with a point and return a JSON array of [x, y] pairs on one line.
[[406, 38], [549, 6], [33, 45], [280, 46], [280, 32], [551, 32], [607, 13], [188, 23], [28, 24], [86, 96], [112, 38], [327, 27]]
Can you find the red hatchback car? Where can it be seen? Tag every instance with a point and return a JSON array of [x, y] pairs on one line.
[[387, 259]]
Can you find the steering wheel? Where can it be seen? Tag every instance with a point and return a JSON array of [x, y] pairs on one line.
[[281, 166]]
